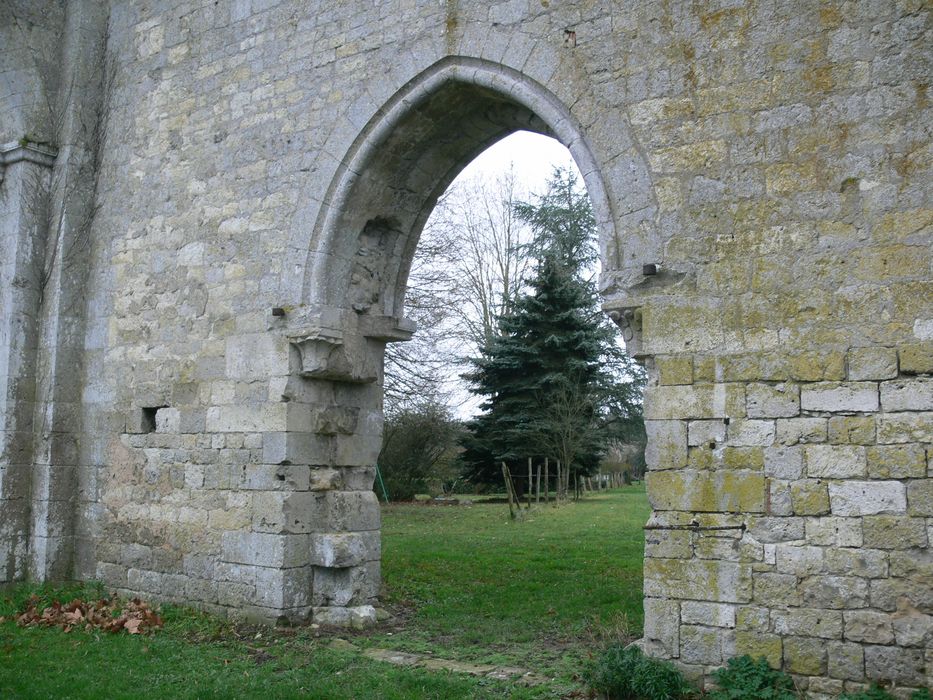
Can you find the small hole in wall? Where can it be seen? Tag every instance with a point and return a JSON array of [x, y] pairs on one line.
[[712, 445], [148, 423]]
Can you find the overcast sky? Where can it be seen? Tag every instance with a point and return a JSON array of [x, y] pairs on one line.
[[533, 157]]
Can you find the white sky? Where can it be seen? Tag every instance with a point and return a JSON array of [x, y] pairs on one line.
[[532, 155]]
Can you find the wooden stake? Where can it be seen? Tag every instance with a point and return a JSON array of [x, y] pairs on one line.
[[529, 484], [508, 489], [547, 482], [538, 484]]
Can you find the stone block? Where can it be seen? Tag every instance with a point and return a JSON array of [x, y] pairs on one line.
[[358, 617], [343, 549], [674, 370], [863, 562], [916, 358], [868, 626], [840, 397], [283, 588], [783, 462], [167, 420], [344, 511], [705, 432], [297, 448], [854, 430], [750, 458], [834, 592], [772, 400], [776, 590], [746, 433], [752, 618], [707, 614], [758, 644], [770, 529], [662, 624], [263, 549], [846, 660], [905, 427], [283, 512], [920, 497], [876, 363], [258, 418], [805, 655], [807, 622], [896, 461], [809, 497], [910, 394], [700, 645], [703, 401], [894, 664], [834, 532], [349, 586], [668, 544], [867, 497], [723, 582], [796, 431], [800, 560], [727, 492], [894, 532], [835, 461], [888, 594], [256, 356], [912, 628], [273, 477], [667, 444]]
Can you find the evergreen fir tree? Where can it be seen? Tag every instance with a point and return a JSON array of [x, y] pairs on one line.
[[548, 380]]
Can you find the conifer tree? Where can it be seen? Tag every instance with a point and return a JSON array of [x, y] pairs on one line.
[[548, 380]]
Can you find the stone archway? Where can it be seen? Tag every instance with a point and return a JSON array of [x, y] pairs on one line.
[[354, 286]]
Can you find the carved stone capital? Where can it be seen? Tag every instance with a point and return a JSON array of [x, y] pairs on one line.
[[343, 346]]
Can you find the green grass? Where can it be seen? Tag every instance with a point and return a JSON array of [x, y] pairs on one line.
[[466, 583]]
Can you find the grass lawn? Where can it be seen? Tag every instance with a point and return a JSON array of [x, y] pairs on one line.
[[464, 582]]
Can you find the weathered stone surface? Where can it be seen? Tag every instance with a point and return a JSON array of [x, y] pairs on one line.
[[920, 497], [808, 622], [896, 462], [674, 370], [905, 427], [845, 660], [894, 532], [916, 358], [854, 397], [805, 655], [772, 400], [867, 497], [708, 614], [888, 663], [667, 444], [868, 626], [727, 492], [873, 363], [835, 461], [914, 394]]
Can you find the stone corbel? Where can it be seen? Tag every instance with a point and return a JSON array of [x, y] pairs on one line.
[[629, 321], [343, 346]]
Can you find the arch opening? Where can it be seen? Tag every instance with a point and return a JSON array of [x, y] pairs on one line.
[[405, 158]]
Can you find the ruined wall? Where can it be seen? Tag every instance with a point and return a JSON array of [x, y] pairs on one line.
[[772, 159]]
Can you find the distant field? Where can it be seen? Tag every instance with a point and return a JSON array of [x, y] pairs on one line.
[[464, 582]]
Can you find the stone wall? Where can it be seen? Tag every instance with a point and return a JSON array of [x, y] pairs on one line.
[[266, 170]]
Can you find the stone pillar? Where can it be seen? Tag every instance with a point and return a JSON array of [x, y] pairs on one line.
[[340, 363], [80, 120], [25, 173]]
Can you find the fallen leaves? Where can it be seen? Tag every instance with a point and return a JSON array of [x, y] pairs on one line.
[[110, 615]]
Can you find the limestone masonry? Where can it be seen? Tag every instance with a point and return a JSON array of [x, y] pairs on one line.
[[208, 213]]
